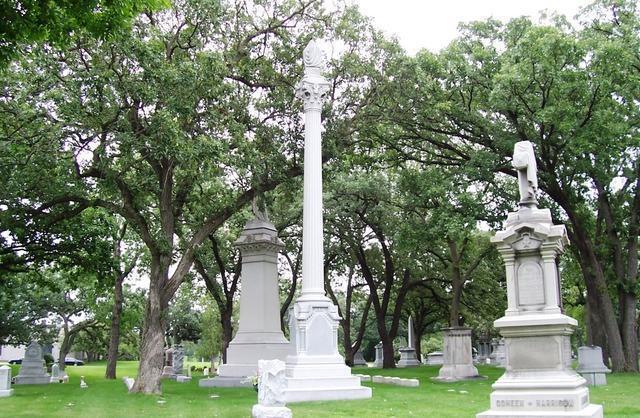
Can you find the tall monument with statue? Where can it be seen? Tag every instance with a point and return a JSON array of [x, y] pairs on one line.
[[259, 335], [315, 369], [539, 380]]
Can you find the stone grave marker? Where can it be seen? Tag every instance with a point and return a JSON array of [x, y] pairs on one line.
[[33, 370]]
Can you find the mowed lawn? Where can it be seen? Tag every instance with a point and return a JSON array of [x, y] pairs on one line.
[[108, 398]]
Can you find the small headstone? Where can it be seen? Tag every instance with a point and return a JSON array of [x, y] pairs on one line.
[[183, 379], [83, 384], [5, 381], [206, 371], [591, 366], [435, 358], [358, 359], [271, 390], [379, 356], [128, 381], [33, 370], [55, 373]]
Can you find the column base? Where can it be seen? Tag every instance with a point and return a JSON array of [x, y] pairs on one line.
[[260, 411], [6, 393], [408, 358], [592, 411], [33, 380]]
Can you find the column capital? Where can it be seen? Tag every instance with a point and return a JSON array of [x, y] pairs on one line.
[[313, 87], [312, 92]]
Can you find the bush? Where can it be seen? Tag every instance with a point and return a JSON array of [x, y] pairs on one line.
[[48, 359]]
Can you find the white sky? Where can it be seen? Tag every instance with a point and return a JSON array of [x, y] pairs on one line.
[[432, 24]]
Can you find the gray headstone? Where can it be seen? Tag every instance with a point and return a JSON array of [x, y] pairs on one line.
[[178, 360], [33, 370], [591, 366]]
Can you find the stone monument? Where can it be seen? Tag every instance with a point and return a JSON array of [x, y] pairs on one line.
[[379, 361], [498, 354], [272, 382], [5, 382], [457, 362], [408, 356], [315, 369], [358, 359], [55, 373], [178, 360], [435, 358], [484, 349], [259, 334], [538, 380], [33, 370], [591, 366], [167, 371]]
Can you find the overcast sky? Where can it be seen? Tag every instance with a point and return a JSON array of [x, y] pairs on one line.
[[432, 24]]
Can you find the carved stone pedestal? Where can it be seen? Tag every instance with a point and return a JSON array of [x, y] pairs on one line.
[[458, 359], [316, 372], [408, 357]]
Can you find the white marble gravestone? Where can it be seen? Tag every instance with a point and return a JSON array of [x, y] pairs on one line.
[[315, 368], [457, 359], [259, 334], [33, 370], [5, 382], [408, 356], [55, 373], [591, 366], [539, 380], [272, 383]]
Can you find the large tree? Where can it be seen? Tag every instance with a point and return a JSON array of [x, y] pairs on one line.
[[175, 126], [570, 92]]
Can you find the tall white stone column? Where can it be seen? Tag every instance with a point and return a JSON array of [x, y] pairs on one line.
[[539, 380], [315, 369], [259, 336]]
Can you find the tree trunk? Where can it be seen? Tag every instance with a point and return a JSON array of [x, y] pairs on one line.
[[227, 332], [630, 331], [114, 341], [388, 361], [595, 331], [596, 279], [64, 347], [152, 344]]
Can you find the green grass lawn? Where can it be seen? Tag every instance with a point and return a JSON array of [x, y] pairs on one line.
[[105, 398]]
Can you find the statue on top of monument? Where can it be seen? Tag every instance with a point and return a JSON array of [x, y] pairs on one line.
[[524, 161], [261, 215]]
